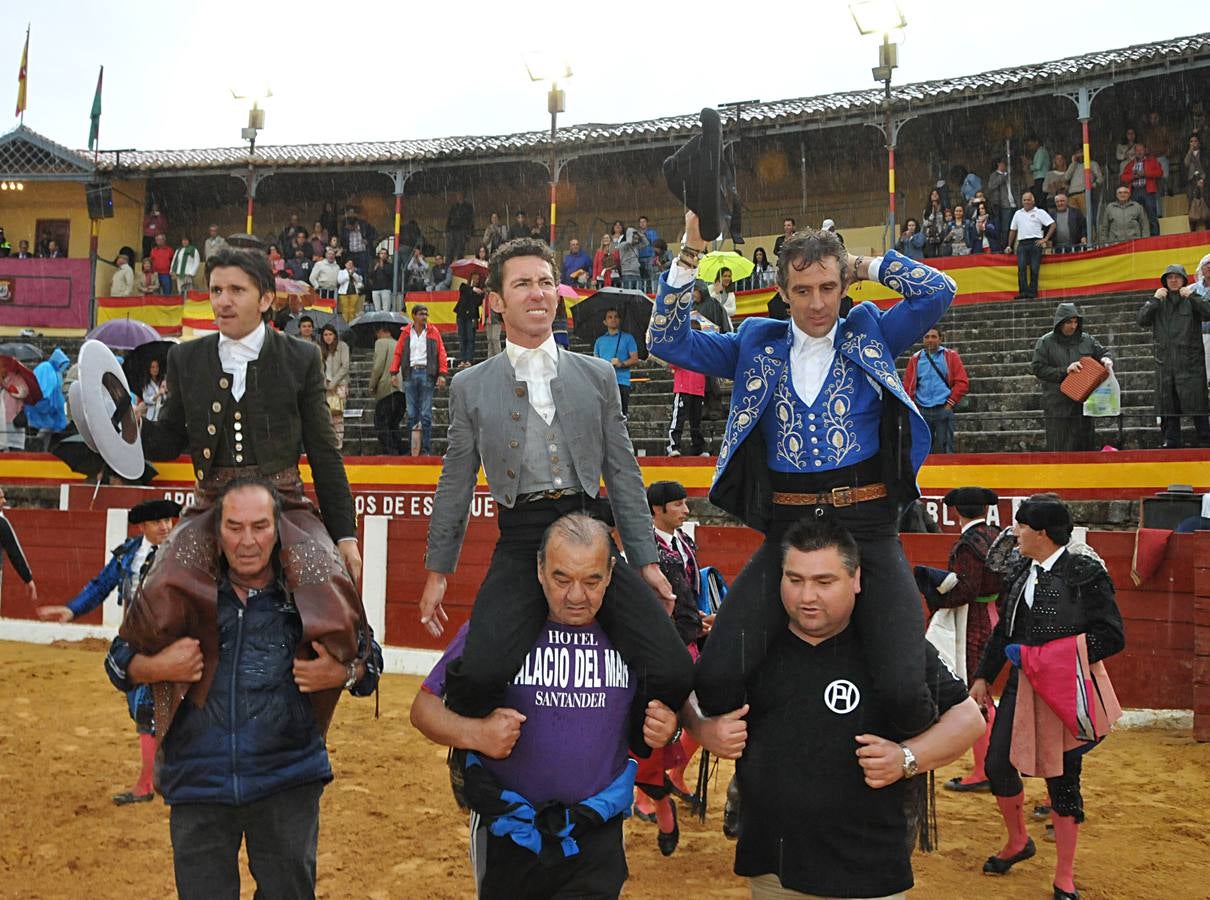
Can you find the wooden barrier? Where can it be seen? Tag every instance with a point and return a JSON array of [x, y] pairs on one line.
[[1166, 664]]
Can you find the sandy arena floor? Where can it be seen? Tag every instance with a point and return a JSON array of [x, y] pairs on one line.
[[389, 828]]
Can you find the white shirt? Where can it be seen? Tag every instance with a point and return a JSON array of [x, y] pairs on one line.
[[1031, 223], [234, 357], [810, 361], [140, 557], [673, 540], [537, 368], [1032, 581], [418, 348], [972, 523]]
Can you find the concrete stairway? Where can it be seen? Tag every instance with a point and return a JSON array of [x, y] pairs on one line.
[[996, 341]]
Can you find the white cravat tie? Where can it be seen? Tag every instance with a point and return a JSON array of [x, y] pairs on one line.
[[537, 375]]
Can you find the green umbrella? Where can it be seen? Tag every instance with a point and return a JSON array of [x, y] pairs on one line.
[[710, 264]]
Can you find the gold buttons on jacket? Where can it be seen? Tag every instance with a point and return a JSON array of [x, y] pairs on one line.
[[514, 444], [520, 392], [511, 474], [508, 498], [516, 416], [239, 458], [237, 415], [216, 406], [206, 453], [210, 429], [224, 382], [200, 474]]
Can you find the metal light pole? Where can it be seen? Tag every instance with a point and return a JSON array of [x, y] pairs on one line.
[[256, 123], [873, 17], [543, 67]]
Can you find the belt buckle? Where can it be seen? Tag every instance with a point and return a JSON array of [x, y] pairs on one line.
[[842, 497]]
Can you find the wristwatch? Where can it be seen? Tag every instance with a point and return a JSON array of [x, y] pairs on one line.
[[352, 680], [910, 765]]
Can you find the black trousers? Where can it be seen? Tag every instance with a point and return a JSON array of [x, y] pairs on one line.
[[597, 872], [624, 393], [388, 421], [282, 832], [1065, 796], [888, 615], [510, 610], [686, 406]]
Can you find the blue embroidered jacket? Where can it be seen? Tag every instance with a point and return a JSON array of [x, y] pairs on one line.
[[756, 355], [118, 573]]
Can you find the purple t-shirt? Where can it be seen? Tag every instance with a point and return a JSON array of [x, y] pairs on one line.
[[575, 692]]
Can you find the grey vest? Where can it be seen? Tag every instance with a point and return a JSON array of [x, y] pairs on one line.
[[545, 460]]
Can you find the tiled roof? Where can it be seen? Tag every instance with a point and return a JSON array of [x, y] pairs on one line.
[[1038, 78]]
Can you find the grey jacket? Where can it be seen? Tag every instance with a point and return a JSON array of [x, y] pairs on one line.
[[998, 190], [488, 416], [1125, 221]]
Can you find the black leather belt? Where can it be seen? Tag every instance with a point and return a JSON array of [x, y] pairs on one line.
[[547, 495]]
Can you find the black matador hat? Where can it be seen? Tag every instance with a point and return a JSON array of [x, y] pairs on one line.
[[970, 496], [153, 510]]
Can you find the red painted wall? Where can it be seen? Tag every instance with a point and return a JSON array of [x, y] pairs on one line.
[[1158, 669]]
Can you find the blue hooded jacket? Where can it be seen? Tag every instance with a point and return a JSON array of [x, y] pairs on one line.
[[51, 411]]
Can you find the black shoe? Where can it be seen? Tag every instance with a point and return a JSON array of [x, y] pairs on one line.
[[642, 816], [1041, 812], [668, 840], [955, 784], [731, 811], [128, 797], [1061, 894], [996, 865]]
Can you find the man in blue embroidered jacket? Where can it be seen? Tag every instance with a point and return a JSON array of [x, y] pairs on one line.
[[820, 425], [155, 519]]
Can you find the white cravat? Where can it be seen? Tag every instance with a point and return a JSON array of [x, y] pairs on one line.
[[537, 368], [1032, 582], [810, 361], [234, 356]]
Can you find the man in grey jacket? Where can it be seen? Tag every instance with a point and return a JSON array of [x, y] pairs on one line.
[[1125, 219], [547, 427], [629, 261]]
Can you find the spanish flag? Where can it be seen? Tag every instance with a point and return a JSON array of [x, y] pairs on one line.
[[21, 75]]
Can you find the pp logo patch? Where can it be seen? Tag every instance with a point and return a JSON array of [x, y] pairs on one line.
[[841, 696]]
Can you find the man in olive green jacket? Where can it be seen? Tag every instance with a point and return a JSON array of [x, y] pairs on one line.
[[1057, 354], [388, 401]]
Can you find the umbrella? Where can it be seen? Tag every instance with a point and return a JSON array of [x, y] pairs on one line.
[[709, 265], [136, 362], [465, 268], [80, 458], [321, 318], [366, 325], [28, 354], [123, 334], [291, 286], [19, 380], [632, 305], [246, 242]]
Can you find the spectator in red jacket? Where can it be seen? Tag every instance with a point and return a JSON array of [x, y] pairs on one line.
[[1142, 173], [420, 355], [161, 262], [936, 380]]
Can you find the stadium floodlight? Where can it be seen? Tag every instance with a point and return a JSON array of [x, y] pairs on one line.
[[877, 16]]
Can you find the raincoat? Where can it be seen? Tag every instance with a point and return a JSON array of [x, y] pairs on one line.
[[1066, 429], [1180, 362], [51, 411]]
